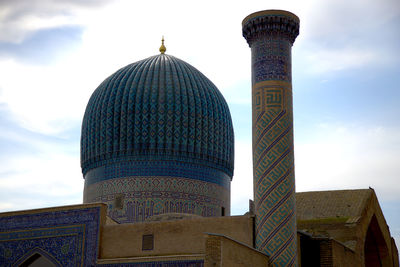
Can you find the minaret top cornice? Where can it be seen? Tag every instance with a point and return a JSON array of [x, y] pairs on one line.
[[270, 22]]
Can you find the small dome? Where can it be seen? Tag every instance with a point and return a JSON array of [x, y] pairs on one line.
[[157, 109]]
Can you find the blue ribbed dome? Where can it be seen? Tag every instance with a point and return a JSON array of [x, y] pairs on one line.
[[158, 109]]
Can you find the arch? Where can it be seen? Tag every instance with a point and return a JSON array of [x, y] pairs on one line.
[[376, 252], [37, 258]]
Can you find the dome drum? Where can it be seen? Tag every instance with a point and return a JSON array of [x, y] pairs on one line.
[[138, 198]]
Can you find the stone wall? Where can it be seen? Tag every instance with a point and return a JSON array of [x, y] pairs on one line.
[[222, 251], [178, 237], [343, 256]]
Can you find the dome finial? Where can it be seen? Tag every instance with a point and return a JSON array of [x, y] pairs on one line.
[[162, 47]]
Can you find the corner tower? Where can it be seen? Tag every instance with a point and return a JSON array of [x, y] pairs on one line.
[[270, 35], [157, 137]]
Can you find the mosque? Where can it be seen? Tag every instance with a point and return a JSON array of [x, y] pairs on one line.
[[157, 157]]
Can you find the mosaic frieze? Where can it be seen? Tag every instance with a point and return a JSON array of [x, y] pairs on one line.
[[182, 263], [271, 60], [133, 199], [162, 167]]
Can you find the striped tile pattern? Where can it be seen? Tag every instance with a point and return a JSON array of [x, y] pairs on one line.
[[274, 174], [159, 108], [270, 35]]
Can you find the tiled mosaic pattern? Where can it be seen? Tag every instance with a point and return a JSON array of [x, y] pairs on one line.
[[157, 168], [271, 59], [270, 37], [274, 173], [160, 108], [67, 237], [185, 263], [144, 197]]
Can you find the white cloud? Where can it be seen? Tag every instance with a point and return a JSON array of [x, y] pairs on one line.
[[45, 99], [349, 156], [49, 178], [20, 19], [336, 156], [242, 183], [337, 59], [339, 22], [342, 35], [121, 33]]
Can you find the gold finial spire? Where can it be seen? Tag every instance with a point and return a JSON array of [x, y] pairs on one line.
[[162, 47]]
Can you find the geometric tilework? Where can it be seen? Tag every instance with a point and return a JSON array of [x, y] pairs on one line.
[[157, 168], [67, 236], [274, 179], [271, 60], [183, 263], [159, 108], [270, 35], [143, 197]]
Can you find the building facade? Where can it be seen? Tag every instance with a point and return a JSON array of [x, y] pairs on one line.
[[157, 159]]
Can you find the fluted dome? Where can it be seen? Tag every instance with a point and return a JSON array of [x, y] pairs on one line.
[[157, 109]]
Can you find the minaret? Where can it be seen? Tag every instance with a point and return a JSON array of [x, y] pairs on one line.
[[270, 35]]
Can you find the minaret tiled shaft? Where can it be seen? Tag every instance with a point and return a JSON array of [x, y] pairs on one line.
[[270, 35]]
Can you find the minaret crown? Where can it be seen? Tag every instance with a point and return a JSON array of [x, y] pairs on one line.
[[270, 22]]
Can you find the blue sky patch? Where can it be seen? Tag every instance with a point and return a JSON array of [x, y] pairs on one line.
[[44, 46]]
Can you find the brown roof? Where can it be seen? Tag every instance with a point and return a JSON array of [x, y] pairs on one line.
[[332, 214], [344, 205]]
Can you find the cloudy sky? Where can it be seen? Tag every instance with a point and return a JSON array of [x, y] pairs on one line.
[[346, 76]]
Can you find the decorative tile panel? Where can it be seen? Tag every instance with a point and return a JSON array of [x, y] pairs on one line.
[[181, 263], [148, 196], [68, 237], [157, 168]]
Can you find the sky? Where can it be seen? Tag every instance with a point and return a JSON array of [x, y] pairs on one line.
[[346, 76]]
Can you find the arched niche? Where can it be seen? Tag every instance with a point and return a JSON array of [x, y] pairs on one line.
[[38, 258], [376, 252]]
